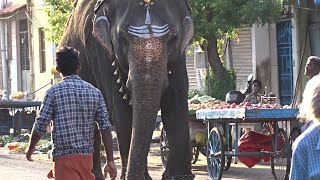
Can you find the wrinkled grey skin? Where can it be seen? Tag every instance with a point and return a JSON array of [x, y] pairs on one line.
[[134, 52]]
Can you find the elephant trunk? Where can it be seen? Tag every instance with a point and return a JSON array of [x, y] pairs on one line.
[[147, 81], [144, 118]]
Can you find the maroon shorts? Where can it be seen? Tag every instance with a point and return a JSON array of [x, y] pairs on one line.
[[75, 167]]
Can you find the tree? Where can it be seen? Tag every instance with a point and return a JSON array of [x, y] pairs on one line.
[[58, 13], [216, 18]]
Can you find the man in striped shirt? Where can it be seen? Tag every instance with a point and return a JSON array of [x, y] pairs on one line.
[[73, 106], [306, 148]]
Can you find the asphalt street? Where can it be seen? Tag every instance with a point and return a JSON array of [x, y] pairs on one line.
[[16, 167]]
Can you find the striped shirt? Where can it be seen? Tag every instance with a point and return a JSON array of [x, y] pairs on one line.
[[73, 105], [306, 155]]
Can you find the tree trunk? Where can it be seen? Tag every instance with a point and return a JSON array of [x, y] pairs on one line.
[[213, 57]]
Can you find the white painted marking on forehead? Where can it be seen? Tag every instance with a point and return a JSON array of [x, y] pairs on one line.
[[148, 17]]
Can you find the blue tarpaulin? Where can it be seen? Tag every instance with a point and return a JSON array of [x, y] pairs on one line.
[[316, 2], [299, 2]]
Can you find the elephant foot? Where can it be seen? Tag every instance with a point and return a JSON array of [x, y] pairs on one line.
[[165, 176], [123, 176]]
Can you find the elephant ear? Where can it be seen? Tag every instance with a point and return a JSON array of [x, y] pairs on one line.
[[101, 27], [187, 34]]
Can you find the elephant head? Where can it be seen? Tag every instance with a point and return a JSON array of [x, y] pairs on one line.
[[145, 40]]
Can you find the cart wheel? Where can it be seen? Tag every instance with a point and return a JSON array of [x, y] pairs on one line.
[[295, 132], [195, 154], [164, 148], [280, 164], [215, 154]]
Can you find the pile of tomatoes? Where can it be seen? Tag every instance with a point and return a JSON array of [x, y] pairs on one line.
[[247, 105]]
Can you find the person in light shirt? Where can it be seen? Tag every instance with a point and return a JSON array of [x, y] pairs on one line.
[[254, 97], [312, 70], [306, 148]]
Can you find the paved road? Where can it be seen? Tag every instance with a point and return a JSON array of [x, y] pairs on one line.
[[15, 167]]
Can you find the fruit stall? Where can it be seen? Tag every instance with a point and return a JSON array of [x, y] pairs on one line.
[[273, 145]]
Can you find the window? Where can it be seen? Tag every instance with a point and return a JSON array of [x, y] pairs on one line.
[[24, 47], [42, 47]]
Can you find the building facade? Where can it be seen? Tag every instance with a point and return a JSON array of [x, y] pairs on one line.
[[277, 53], [26, 65]]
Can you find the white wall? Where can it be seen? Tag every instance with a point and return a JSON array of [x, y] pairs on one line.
[[10, 2], [274, 60], [13, 62], [261, 55], [264, 57], [40, 20]]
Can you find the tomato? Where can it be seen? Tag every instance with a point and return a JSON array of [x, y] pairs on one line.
[[267, 106]]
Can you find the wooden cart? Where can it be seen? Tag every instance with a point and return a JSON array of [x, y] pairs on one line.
[[219, 148]]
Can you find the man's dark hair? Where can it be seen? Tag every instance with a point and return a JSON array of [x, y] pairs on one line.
[[67, 59], [258, 82]]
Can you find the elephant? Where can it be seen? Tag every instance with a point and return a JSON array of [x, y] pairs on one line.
[[134, 52]]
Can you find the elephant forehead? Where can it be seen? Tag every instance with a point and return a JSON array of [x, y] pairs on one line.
[[148, 48]]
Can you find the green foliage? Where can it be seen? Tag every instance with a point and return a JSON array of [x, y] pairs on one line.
[[217, 17], [219, 87], [221, 48], [58, 13], [193, 93], [5, 139]]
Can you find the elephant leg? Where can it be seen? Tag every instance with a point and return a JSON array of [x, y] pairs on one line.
[[123, 125], [96, 154], [174, 109]]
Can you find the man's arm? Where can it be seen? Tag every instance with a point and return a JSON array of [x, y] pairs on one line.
[[102, 118], [35, 138], [110, 167], [40, 124], [107, 141]]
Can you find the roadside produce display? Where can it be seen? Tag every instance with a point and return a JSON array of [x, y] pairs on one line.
[[19, 144], [207, 102], [247, 105], [251, 146], [204, 102]]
